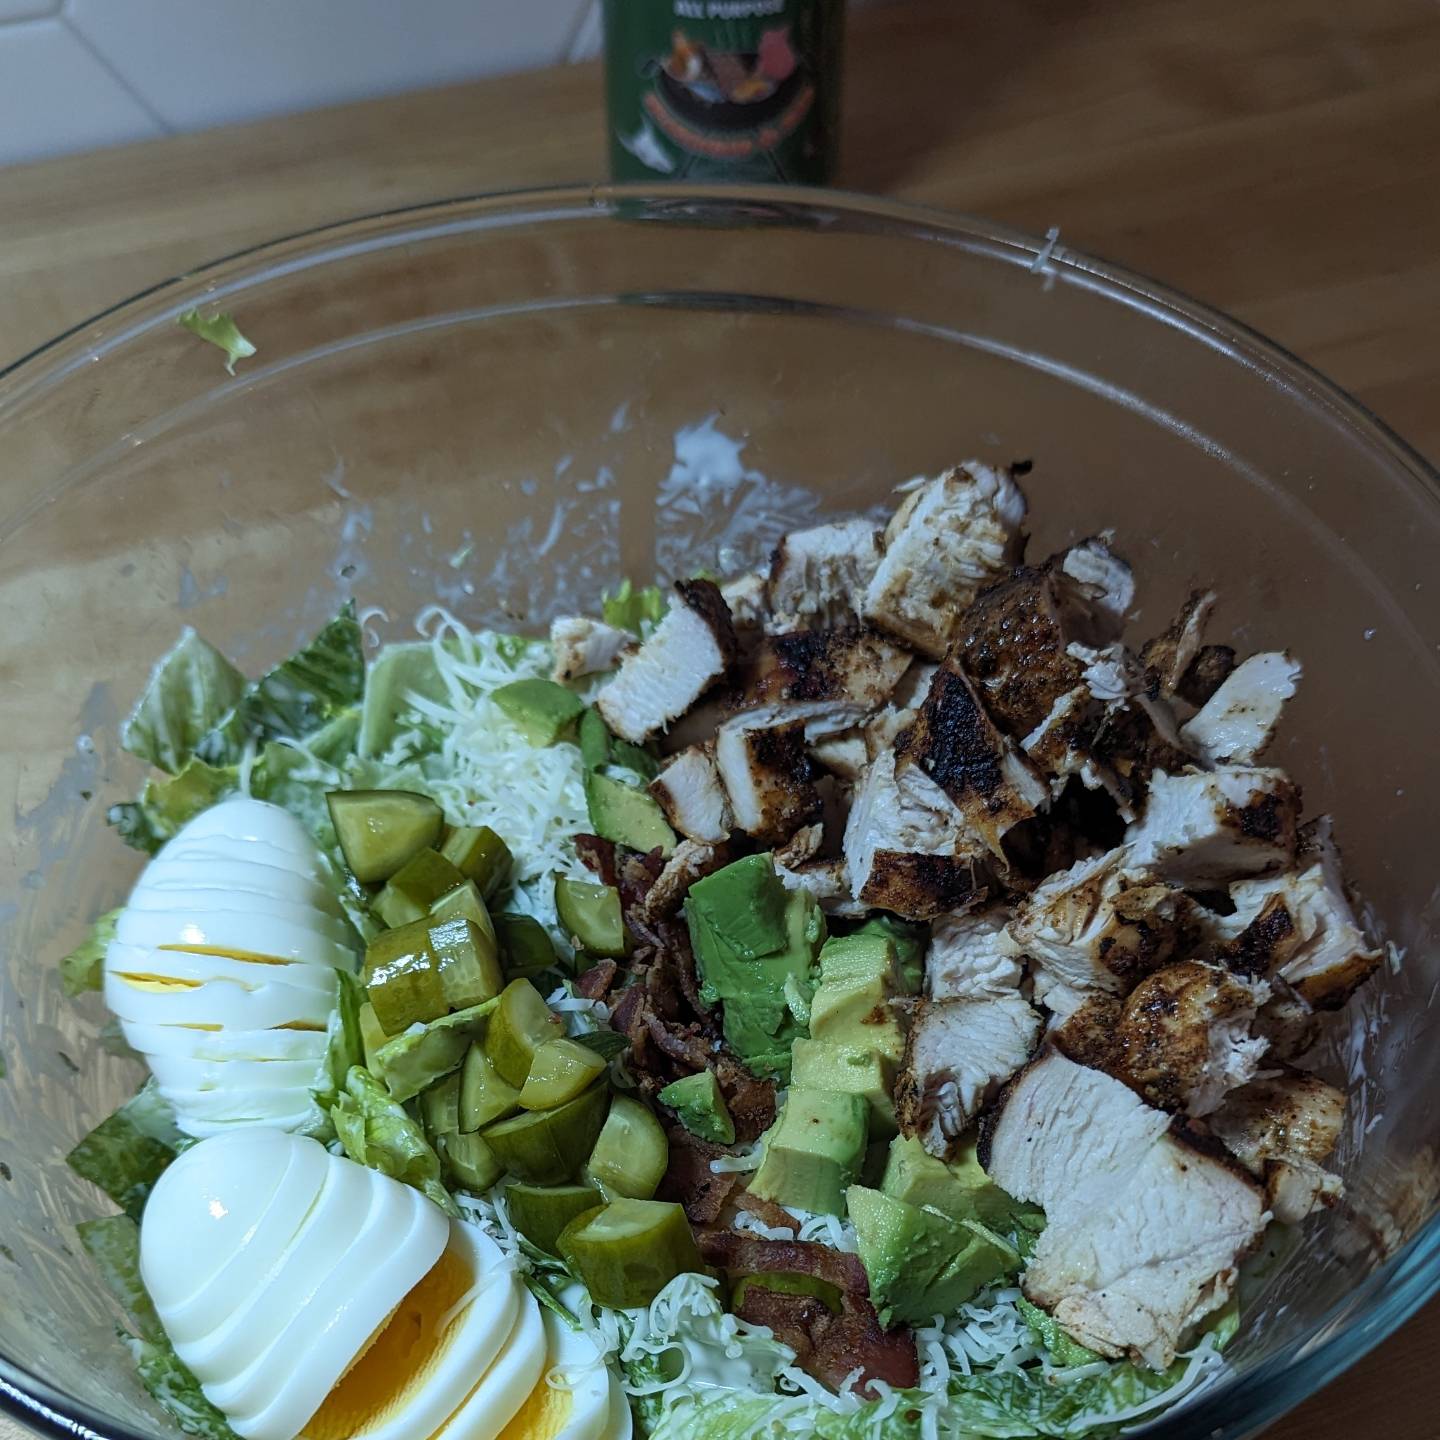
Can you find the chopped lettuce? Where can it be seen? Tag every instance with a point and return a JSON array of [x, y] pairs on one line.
[[298, 696], [344, 1048], [165, 806], [1051, 1334], [125, 1154], [84, 967], [415, 1059], [739, 1416], [113, 1245], [191, 690], [397, 673], [632, 609], [377, 1131], [220, 330]]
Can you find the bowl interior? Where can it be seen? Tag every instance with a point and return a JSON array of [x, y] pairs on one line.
[[503, 406]]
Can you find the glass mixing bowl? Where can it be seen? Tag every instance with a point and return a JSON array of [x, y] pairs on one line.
[[480, 402]]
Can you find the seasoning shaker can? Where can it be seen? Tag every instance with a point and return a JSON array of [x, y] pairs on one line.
[[740, 90]]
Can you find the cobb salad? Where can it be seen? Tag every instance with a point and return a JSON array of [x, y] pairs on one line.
[[860, 997]]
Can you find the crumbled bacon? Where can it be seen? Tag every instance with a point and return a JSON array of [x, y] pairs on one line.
[[690, 1181]]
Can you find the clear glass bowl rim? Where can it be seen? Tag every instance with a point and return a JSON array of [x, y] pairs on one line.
[[1408, 1279]]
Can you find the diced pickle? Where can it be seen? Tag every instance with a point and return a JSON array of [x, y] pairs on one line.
[[590, 915], [522, 1023], [414, 1060], [468, 1162], [372, 1033], [560, 1070], [547, 1147], [415, 887], [525, 948], [543, 710], [628, 1251], [822, 1290], [631, 1152], [379, 830], [468, 961], [484, 1096], [440, 1106], [541, 1212], [464, 902], [479, 854], [402, 978]]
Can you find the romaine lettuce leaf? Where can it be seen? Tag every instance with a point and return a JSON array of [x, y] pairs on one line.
[[376, 1131], [632, 609], [415, 1059], [396, 673], [344, 1048], [298, 696], [84, 967], [125, 1154], [220, 330], [191, 690], [176, 1389], [165, 806], [1048, 1331], [737, 1416]]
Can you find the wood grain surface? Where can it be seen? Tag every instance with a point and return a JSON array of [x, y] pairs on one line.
[[1280, 160]]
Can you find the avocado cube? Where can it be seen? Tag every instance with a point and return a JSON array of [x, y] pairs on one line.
[[822, 1065], [626, 815], [700, 1107], [857, 1016], [741, 907], [858, 959], [960, 1189], [911, 940], [813, 1151], [542, 710], [921, 1263]]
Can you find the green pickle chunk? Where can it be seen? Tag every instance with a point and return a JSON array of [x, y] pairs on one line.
[[465, 902], [440, 1106], [541, 1212], [415, 887], [525, 948], [628, 1251], [480, 855], [469, 961], [560, 1070], [520, 1026], [402, 980], [631, 1153], [547, 1147], [379, 830], [468, 1162], [484, 1096], [590, 915]]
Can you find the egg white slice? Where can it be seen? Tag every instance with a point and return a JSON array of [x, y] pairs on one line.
[[131, 962], [572, 1398], [224, 1004], [271, 874], [241, 819], [238, 932], [184, 1042], [506, 1385], [211, 1110], [621, 1422], [178, 1073]]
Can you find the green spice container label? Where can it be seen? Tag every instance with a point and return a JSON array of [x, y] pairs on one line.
[[723, 89]]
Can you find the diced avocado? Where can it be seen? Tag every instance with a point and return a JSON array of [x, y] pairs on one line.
[[631, 1152], [700, 1107], [784, 1284], [479, 854], [922, 1263], [469, 1163], [960, 1189], [541, 709], [595, 740], [484, 1096], [523, 1023], [541, 1212], [372, 1034], [379, 830], [741, 906], [630, 1250], [814, 1151], [415, 887], [590, 915], [823, 1065], [548, 1147], [440, 1105], [859, 976], [415, 1060], [911, 940], [626, 815], [525, 948], [560, 1070], [759, 988]]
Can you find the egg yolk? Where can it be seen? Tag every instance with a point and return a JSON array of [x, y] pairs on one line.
[[251, 956], [401, 1356], [157, 983], [542, 1416]]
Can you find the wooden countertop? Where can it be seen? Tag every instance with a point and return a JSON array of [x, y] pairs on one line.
[[1280, 160]]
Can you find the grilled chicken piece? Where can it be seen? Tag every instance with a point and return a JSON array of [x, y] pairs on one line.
[[1238, 721], [767, 775], [968, 959], [689, 862], [586, 647], [957, 1055], [689, 791], [1207, 673], [951, 536], [1107, 578], [908, 851], [955, 743], [883, 728], [1102, 925], [687, 652], [844, 755], [1166, 659], [1145, 1223], [817, 576], [1199, 828], [1286, 1023], [1301, 926], [1065, 744], [827, 880], [1281, 1129], [1184, 1036], [744, 597]]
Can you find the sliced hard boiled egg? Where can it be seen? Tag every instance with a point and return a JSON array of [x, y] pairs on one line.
[[503, 1389], [574, 1397], [233, 932]]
